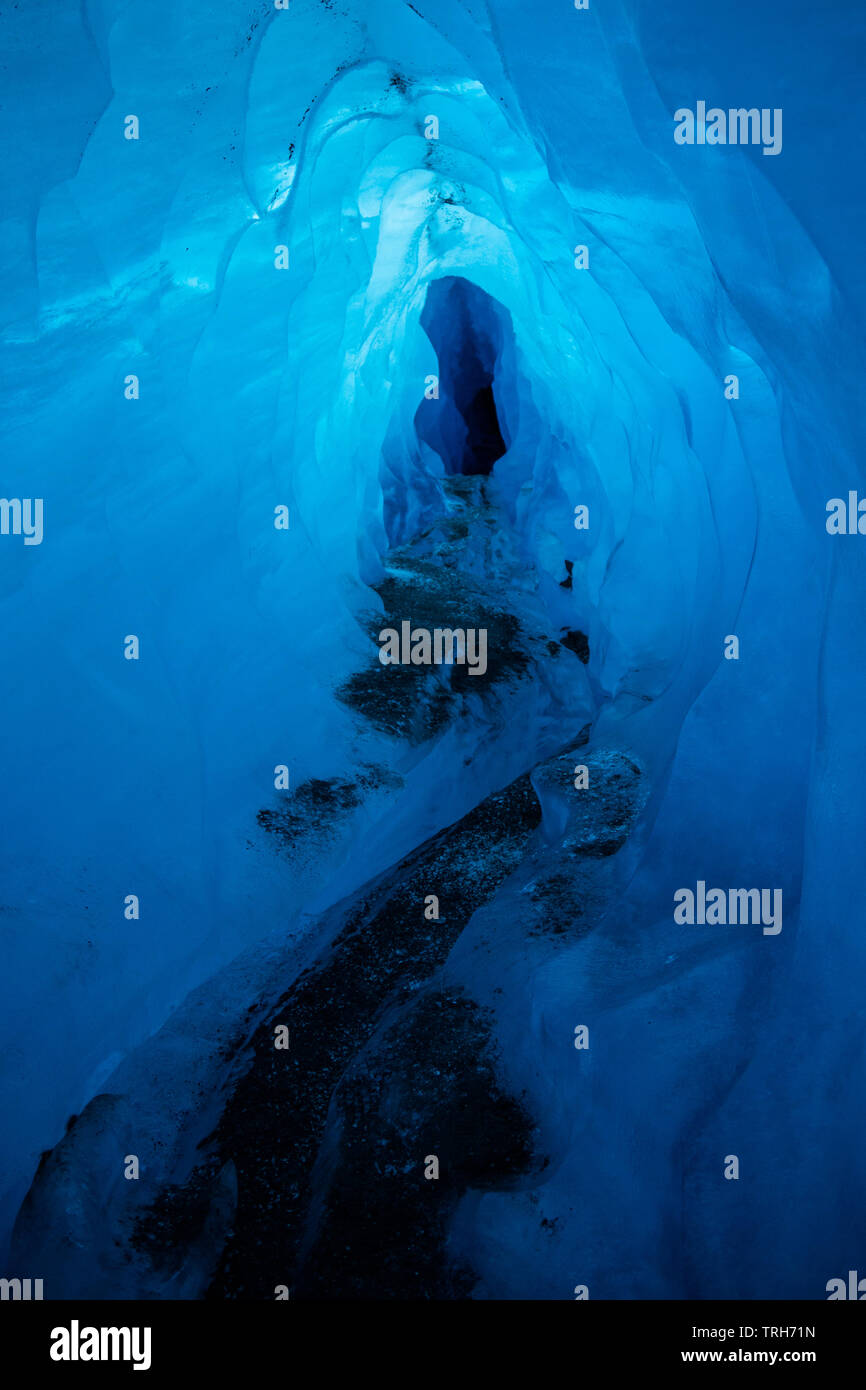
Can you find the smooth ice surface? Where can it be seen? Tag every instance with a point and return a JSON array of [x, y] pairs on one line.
[[304, 387]]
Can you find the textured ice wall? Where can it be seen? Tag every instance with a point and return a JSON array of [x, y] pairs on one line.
[[262, 386]]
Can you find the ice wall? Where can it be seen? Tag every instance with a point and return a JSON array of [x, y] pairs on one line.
[[260, 259]]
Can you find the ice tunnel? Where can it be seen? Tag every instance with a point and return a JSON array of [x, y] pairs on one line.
[[327, 322], [464, 327]]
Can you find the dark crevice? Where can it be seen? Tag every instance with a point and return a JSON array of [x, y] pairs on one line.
[[467, 329]]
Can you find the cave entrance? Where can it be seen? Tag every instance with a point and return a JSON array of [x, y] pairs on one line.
[[466, 327]]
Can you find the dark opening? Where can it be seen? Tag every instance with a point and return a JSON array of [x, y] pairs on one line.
[[465, 327]]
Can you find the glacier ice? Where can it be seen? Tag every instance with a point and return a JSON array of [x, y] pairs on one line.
[[282, 259]]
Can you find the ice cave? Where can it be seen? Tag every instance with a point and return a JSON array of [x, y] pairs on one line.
[[367, 980]]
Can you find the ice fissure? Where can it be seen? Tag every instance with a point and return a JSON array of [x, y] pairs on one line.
[[479, 360]]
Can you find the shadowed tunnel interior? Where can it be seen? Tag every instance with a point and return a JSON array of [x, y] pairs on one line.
[[465, 326]]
